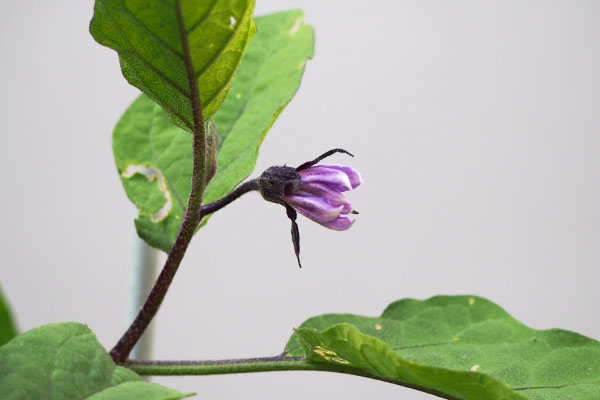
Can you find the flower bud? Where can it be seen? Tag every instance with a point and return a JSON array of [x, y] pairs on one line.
[[320, 197], [314, 191]]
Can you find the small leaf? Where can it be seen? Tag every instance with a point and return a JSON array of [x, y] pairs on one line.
[[152, 37], [154, 158], [8, 329], [462, 347], [65, 361]]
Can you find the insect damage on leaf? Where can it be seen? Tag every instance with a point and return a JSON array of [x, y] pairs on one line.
[[328, 354], [152, 174], [296, 27]]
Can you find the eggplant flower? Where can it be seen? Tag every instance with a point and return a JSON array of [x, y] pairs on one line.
[[315, 191], [320, 196]]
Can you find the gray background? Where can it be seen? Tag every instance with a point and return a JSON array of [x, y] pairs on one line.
[[475, 125]]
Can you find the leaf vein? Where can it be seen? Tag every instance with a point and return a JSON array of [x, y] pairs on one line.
[[132, 52], [50, 379], [165, 2], [218, 54], [554, 387], [201, 20], [164, 44], [167, 80], [151, 93]]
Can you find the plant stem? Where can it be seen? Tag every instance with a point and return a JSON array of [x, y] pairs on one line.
[[264, 364], [122, 349], [192, 216]]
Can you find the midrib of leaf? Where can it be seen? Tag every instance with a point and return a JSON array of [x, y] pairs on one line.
[[189, 67], [158, 164]]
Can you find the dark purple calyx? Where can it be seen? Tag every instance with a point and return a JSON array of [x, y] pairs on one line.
[[277, 181]]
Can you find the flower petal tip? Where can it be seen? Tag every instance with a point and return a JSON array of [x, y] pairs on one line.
[[339, 224]]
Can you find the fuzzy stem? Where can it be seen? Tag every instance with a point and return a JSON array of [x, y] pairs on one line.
[[234, 195], [192, 216]]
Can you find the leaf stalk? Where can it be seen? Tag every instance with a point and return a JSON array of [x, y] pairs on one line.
[[263, 364]]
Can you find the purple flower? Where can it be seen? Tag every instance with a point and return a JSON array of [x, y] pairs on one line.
[[314, 191], [320, 195]]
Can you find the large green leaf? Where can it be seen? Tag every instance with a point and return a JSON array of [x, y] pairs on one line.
[[65, 361], [153, 36], [461, 347], [268, 78], [7, 325], [154, 158]]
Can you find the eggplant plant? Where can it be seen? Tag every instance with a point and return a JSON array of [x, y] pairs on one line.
[[214, 79]]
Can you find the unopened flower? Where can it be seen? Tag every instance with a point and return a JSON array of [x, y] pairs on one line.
[[315, 191], [320, 196]]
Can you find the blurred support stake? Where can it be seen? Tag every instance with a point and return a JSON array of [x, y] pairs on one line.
[[144, 262]]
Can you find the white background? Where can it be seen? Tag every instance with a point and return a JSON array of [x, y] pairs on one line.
[[475, 125]]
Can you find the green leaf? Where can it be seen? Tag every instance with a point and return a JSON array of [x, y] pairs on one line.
[[8, 329], [153, 36], [65, 361], [460, 347], [268, 78], [154, 158], [139, 390]]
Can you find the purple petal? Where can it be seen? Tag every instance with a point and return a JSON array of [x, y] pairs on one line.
[[331, 177], [353, 175], [334, 197], [315, 208], [338, 224]]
